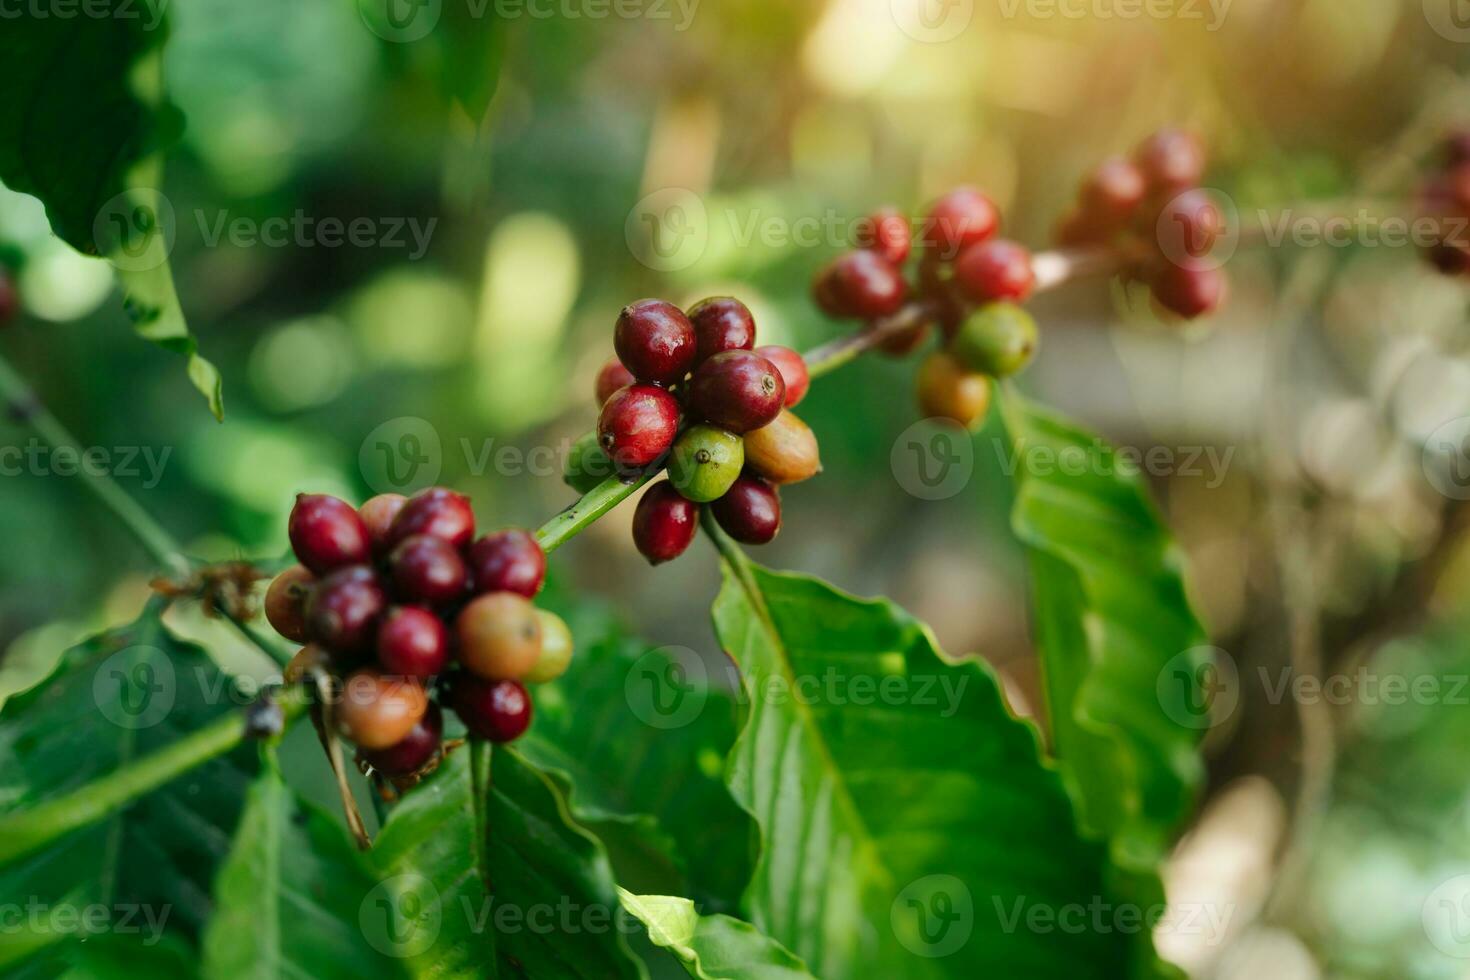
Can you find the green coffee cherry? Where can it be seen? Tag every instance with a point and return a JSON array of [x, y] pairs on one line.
[[556, 649], [586, 465], [998, 339], [705, 462]]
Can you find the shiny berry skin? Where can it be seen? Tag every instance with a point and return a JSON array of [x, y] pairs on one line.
[[285, 602], [556, 649], [1171, 160], [949, 390], [792, 367], [414, 750], [438, 512], [664, 523], [886, 232], [1186, 291], [378, 711], [998, 339], [412, 642], [326, 533], [737, 390], [720, 324], [785, 451], [612, 377], [995, 270], [705, 461], [655, 341], [638, 425], [508, 561], [1113, 191], [861, 285], [428, 569], [1188, 227], [342, 614], [751, 512], [499, 636], [378, 514], [499, 711], [959, 219], [586, 464]]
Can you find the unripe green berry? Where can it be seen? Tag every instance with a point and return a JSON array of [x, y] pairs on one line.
[[998, 339], [556, 649], [705, 462], [586, 464]]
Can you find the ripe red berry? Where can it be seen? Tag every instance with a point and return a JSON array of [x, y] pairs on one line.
[[959, 219], [378, 711], [886, 232], [342, 614], [378, 515], [1171, 160], [413, 751], [1113, 191], [496, 710], [655, 341], [792, 367], [860, 284], [638, 425], [508, 561], [995, 270], [326, 533], [751, 512], [612, 377], [1188, 227], [413, 642], [664, 523], [428, 569], [438, 512], [1188, 291], [720, 324], [737, 391]]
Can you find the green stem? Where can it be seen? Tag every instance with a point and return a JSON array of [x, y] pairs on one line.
[[481, 752], [27, 408], [582, 514], [26, 831]]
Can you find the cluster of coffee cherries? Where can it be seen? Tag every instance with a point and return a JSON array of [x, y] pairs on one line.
[[692, 392], [1152, 203], [402, 608], [1445, 196]]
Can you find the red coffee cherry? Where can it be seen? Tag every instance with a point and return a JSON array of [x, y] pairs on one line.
[[413, 642], [959, 219], [655, 341], [428, 569], [413, 751], [1188, 292], [1171, 160], [378, 515], [751, 512], [860, 284], [664, 523], [885, 232], [379, 711], [995, 270], [1188, 226], [326, 533], [438, 512], [792, 367], [737, 390], [342, 614], [638, 425], [508, 561], [720, 324], [285, 602], [1113, 191], [499, 636], [499, 711], [612, 377]]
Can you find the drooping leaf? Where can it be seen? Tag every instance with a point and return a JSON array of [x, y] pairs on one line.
[[108, 702], [1121, 651], [82, 128], [910, 827], [714, 947]]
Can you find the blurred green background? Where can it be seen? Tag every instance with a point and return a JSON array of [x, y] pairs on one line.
[[752, 134]]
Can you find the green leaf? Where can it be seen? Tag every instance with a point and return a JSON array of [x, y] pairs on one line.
[[714, 947], [83, 129], [911, 828], [290, 897], [108, 702], [1112, 619]]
